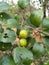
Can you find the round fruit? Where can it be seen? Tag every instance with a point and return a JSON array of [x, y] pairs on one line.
[[23, 34], [46, 62], [38, 49], [36, 17], [23, 42], [23, 3]]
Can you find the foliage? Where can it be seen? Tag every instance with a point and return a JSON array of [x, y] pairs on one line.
[[32, 45]]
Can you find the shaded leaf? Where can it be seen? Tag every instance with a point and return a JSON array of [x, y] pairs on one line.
[[38, 49], [4, 15], [46, 23], [7, 60]]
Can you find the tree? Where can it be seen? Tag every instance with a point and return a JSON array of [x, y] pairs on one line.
[[24, 34]]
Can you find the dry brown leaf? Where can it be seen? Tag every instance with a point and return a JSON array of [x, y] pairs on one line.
[[37, 36]]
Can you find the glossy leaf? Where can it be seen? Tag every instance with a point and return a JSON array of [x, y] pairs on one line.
[[23, 55], [4, 6], [38, 49], [7, 60], [8, 36], [46, 23], [12, 23], [46, 40]]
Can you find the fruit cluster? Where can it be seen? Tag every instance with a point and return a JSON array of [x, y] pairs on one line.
[[23, 35]]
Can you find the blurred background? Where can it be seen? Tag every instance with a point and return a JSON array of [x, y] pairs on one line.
[[35, 3]]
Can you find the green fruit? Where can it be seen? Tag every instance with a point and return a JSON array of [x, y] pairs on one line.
[[46, 23], [23, 34], [23, 3], [46, 63], [36, 17], [38, 49], [23, 42]]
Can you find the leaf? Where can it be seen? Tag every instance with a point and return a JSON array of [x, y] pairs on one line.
[[4, 6], [29, 23], [7, 60], [46, 62], [40, 63], [38, 49], [4, 46], [12, 23], [4, 15], [23, 3], [17, 17], [0, 37], [45, 40], [46, 23], [31, 41], [23, 55], [8, 36], [0, 22], [1, 44], [1, 29]]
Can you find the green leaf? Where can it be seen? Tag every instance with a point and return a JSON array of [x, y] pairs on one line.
[[46, 62], [23, 3], [1, 44], [38, 49], [4, 46], [46, 23], [4, 15], [40, 63], [0, 22], [17, 17], [29, 23], [0, 37], [4, 6], [45, 40], [7, 60], [23, 55], [1, 30], [31, 41], [12, 23], [8, 36]]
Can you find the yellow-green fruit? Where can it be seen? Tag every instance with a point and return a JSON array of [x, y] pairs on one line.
[[23, 34], [23, 42]]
